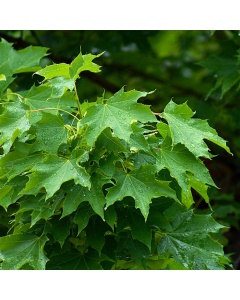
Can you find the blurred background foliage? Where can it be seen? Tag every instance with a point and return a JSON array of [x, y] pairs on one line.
[[201, 67]]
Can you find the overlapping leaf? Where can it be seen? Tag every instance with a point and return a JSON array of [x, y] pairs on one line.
[[40, 97], [19, 161], [180, 162], [53, 171], [226, 69], [25, 60], [118, 113], [141, 185], [75, 260], [10, 192], [16, 250], [79, 194], [189, 242], [13, 123], [190, 132], [72, 71], [50, 133]]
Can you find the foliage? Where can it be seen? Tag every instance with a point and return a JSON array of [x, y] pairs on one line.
[[106, 184]]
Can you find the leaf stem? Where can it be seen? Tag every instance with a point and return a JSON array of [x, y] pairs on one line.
[[54, 108], [78, 102]]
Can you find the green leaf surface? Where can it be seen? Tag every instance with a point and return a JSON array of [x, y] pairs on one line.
[[95, 232], [60, 229], [55, 70], [180, 162], [13, 123], [83, 215], [117, 113], [140, 185], [225, 68], [189, 242], [50, 133], [40, 97], [39, 208], [110, 216], [72, 71], [54, 171], [3, 77], [74, 260], [60, 85], [109, 142], [83, 63], [16, 250], [79, 194], [191, 132], [25, 60], [9, 193], [19, 161], [140, 230]]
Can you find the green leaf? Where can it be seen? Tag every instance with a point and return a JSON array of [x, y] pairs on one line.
[[75, 260], [40, 208], [19, 161], [60, 85], [40, 97], [189, 242], [79, 194], [110, 216], [226, 69], [55, 70], [180, 162], [191, 132], [13, 123], [109, 142], [200, 187], [50, 133], [54, 171], [16, 250], [140, 185], [9, 193], [25, 60], [60, 229], [83, 215], [118, 113], [3, 77], [140, 230], [83, 63], [79, 64], [95, 232]]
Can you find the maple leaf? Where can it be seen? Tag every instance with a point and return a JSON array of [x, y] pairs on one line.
[[180, 162], [140, 230], [50, 133], [16, 250], [118, 113], [141, 185], [13, 123], [18, 161], [24, 60], [226, 70], [72, 71], [53, 171], [75, 260], [10, 192], [41, 208], [190, 132], [83, 215], [79, 194], [41, 97], [187, 239]]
